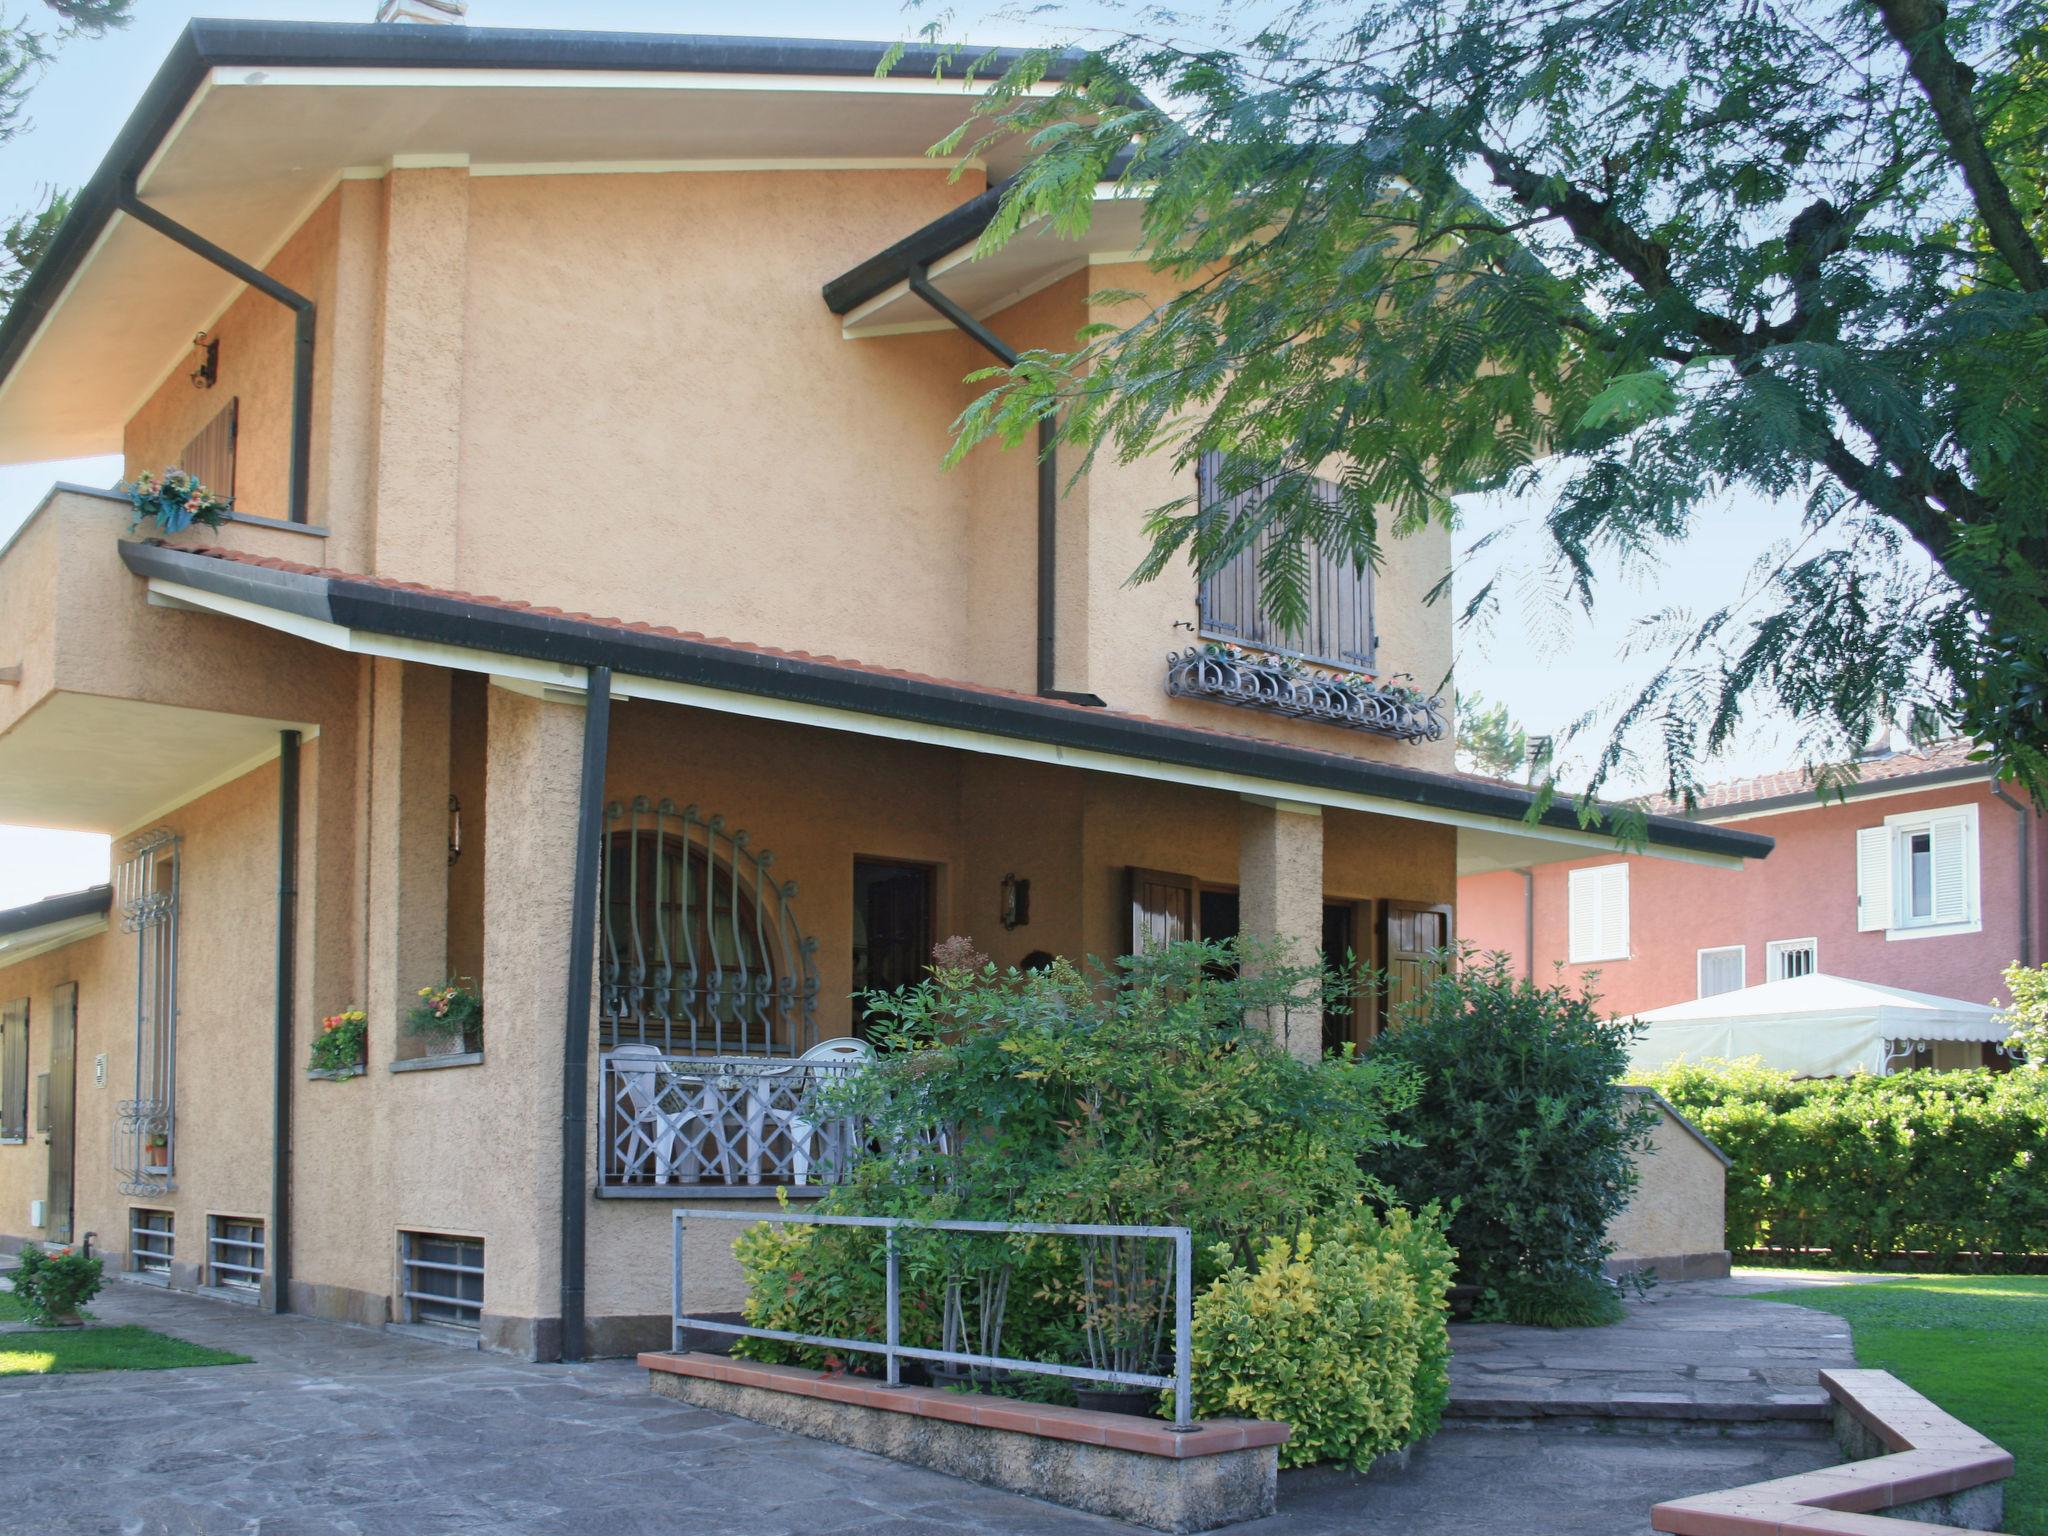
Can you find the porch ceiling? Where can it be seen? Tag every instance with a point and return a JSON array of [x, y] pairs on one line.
[[248, 125], [79, 762]]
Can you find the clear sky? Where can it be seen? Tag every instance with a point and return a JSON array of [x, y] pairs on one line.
[[1548, 663]]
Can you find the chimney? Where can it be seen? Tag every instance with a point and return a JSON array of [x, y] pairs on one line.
[[433, 13]]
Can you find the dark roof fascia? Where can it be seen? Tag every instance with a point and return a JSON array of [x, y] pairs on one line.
[[206, 45], [90, 902], [1810, 800], [446, 620], [921, 247]]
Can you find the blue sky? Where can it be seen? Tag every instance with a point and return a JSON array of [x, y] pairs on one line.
[[1550, 664]]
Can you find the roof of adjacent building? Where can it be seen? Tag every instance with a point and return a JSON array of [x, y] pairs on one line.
[[1937, 762], [501, 626], [90, 902]]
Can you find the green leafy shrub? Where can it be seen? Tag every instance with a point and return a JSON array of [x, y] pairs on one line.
[[1552, 1301], [1950, 1167], [1521, 1128], [1341, 1335], [53, 1286], [2028, 1015]]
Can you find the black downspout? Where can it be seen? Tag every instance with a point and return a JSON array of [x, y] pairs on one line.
[[300, 306], [279, 1237], [1048, 492], [597, 718], [2026, 815]]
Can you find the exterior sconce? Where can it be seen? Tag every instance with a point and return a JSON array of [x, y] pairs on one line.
[[454, 829], [207, 374], [1016, 902]]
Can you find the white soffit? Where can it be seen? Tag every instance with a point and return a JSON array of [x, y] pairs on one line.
[[257, 150], [74, 761], [1035, 258]]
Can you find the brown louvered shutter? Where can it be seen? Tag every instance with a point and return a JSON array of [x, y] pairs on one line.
[[1162, 909]]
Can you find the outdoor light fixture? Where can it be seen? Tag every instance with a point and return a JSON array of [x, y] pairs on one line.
[[1016, 902], [454, 829], [207, 374]]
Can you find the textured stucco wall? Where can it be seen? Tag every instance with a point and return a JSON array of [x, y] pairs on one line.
[[1680, 1207], [1805, 889]]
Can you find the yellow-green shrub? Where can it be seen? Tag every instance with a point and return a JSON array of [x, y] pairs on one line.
[[1339, 1334]]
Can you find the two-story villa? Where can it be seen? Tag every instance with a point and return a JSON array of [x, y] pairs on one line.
[[598, 622]]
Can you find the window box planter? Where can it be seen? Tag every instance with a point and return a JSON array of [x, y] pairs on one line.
[[335, 1074], [1351, 700]]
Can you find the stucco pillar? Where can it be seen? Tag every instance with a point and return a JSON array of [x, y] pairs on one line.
[[408, 908], [420, 353], [532, 775], [1280, 897]]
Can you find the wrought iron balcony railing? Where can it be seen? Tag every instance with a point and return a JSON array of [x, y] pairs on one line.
[[1256, 683], [723, 1120]]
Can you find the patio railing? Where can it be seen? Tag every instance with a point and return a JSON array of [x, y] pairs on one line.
[[722, 1120], [892, 1348]]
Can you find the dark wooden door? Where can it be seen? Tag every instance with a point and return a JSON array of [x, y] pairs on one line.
[[1340, 948], [893, 939], [1412, 941], [63, 1110]]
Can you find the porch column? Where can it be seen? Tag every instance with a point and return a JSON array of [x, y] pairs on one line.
[[532, 776], [408, 939], [1280, 896]]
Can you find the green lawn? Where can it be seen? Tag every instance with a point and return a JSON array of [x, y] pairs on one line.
[[11, 1310], [1976, 1345], [57, 1351]]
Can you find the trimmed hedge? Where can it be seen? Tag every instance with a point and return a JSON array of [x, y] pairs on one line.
[[1950, 1167]]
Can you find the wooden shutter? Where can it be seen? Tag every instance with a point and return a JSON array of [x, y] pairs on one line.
[[14, 1071], [1597, 913], [1873, 878], [1413, 941], [1162, 909], [1721, 970], [210, 456], [1953, 852]]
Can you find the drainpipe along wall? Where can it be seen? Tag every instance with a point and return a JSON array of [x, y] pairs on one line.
[[284, 982], [1048, 493], [304, 320], [597, 717], [2026, 868]]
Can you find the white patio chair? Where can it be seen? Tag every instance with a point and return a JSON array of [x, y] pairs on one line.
[[654, 1127], [795, 1120]]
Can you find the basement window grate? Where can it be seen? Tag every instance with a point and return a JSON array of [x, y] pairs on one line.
[[444, 1279], [234, 1253], [151, 1237]]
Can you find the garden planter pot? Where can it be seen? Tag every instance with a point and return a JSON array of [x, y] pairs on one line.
[[980, 1378], [1139, 1402]]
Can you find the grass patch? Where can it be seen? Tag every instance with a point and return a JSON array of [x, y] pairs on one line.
[[59, 1351], [1977, 1345], [11, 1309]]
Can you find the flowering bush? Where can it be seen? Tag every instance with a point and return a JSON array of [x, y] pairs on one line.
[[343, 1041], [52, 1287], [176, 501], [452, 1011]]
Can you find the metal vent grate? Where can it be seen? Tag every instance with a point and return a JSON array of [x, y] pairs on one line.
[[151, 1240], [444, 1279], [234, 1253]]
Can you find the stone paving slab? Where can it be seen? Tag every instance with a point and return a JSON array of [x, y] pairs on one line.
[[1698, 1351], [337, 1431]]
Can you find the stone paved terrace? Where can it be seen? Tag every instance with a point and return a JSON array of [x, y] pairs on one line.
[[349, 1432], [1698, 1352]]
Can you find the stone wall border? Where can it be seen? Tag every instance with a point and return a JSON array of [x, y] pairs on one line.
[[1923, 1472]]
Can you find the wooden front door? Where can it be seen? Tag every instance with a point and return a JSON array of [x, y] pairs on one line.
[[1412, 941], [63, 1109]]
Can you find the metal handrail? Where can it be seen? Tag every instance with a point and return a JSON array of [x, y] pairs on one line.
[[894, 1351]]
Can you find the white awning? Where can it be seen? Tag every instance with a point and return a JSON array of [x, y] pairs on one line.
[[1814, 1026]]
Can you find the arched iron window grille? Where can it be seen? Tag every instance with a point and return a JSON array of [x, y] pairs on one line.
[[700, 953]]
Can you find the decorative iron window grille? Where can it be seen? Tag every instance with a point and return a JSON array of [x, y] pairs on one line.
[[145, 1130], [443, 1279], [1283, 689], [234, 1253], [14, 1071], [152, 1236], [1338, 629], [700, 953]]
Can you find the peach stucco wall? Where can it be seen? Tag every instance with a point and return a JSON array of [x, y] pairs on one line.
[[1806, 888]]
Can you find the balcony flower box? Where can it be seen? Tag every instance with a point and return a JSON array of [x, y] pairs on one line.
[[1283, 686]]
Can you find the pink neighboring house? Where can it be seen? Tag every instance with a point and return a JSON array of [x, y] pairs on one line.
[[1927, 877]]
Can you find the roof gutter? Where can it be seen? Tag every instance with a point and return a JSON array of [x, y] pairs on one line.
[[1048, 490], [303, 326], [493, 629]]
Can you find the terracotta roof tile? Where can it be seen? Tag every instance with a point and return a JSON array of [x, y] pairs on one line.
[[1951, 752]]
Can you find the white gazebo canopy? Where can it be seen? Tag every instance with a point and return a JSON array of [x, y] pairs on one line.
[[1814, 1026]]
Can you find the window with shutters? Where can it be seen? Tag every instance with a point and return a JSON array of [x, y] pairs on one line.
[[1721, 970], [1916, 874], [1337, 629], [1787, 959], [1597, 899], [14, 1071]]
